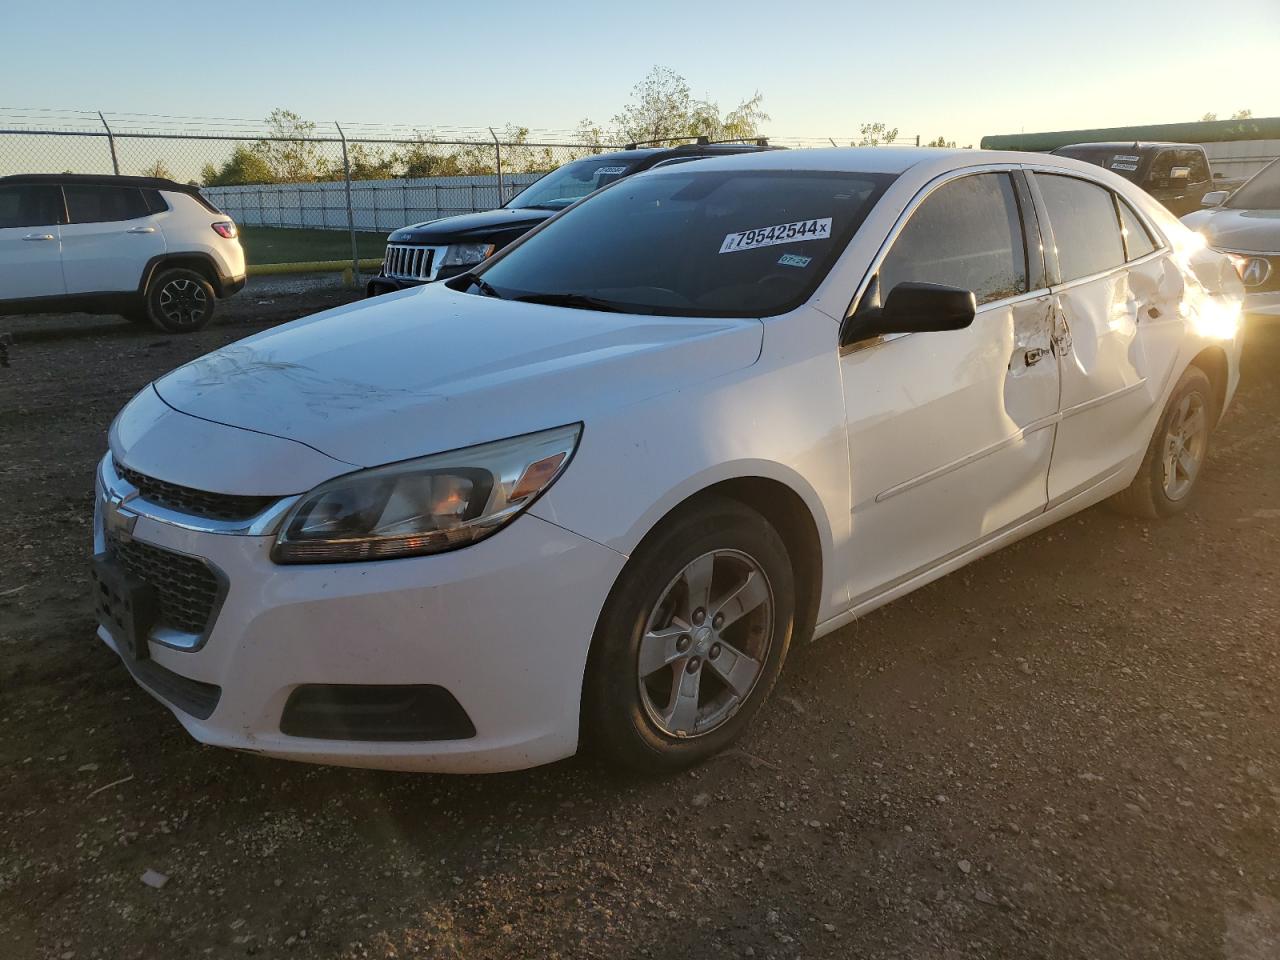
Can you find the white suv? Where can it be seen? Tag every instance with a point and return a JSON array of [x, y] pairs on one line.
[[146, 248]]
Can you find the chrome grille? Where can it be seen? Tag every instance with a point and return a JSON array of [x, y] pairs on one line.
[[186, 590], [197, 503], [409, 262]]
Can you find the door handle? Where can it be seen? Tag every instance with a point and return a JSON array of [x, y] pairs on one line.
[[142, 230], [38, 236], [1034, 355]]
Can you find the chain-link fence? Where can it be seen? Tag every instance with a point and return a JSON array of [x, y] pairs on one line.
[[362, 184], [356, 179]]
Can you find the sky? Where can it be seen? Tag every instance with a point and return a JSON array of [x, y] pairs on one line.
[[824, 66]]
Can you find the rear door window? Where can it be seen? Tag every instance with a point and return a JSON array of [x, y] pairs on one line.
[[92, 203], [30, 205], [1086, 230], [1137, 239], [967, 234]]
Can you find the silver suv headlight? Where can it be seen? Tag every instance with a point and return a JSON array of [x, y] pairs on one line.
[[427, 505]]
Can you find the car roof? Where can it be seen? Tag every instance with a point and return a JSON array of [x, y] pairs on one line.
[[101, 180], [932, 161], [843, 159]]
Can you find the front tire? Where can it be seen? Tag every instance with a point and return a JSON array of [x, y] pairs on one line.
[[691, 641], [1171, 469], [180, 301]]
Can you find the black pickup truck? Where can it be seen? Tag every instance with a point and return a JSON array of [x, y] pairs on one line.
[[1176, 174], [439, 249]]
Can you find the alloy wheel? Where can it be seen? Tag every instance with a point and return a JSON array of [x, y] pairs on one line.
[[183, 302], [705, 643], [1185, 443]]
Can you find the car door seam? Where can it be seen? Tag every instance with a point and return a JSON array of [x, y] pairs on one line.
[[1034, 427]]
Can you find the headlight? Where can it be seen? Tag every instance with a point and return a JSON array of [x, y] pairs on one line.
[[428, 505], [466, 254]]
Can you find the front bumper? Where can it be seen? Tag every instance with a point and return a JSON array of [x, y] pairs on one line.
[[383, 284], [380, 285], [503, 626]]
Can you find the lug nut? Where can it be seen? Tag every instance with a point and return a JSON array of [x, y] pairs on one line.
[[682, 642], [699, 615], [715, 650], [694, 665], [718, 622]]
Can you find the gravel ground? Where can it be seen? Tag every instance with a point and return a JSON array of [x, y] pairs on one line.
[[1065, 750]]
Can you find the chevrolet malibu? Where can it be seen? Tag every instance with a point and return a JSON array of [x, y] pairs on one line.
[[590, 493]]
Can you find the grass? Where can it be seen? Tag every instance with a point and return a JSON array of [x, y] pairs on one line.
[[286, 245]]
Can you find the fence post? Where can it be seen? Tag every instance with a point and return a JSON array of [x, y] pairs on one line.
[[111, 142], [351, 215], [497, 149]]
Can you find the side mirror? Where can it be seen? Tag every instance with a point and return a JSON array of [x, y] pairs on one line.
[[912, 307], [1215, 198], [1179, 173]]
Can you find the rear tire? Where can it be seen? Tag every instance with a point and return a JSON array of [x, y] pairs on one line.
[[691, 640], [1171, 469], [179, 300]]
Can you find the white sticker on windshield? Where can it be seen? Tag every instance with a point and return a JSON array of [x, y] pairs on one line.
[[782, 233], [609, 171], [1124, 166], [794, 260]]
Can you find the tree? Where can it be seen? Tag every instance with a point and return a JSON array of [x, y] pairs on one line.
[[159, 170], [368, 163], [246, 165], [941, 142], [289, 152], [1245, 114], [874, 134], [663, 111]]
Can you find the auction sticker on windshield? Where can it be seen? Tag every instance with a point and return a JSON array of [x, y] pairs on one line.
[[782, 233]]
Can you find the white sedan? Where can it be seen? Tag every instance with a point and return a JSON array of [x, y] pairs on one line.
[[592, 492]]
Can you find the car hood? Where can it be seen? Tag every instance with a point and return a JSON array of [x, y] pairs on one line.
[[1244, 230], [470, 226], [431, 369]]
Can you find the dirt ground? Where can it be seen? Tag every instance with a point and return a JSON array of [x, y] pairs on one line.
[[1068, 749]]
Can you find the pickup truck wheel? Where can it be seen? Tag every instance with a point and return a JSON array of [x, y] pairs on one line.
[[691, 641], [180, 301]]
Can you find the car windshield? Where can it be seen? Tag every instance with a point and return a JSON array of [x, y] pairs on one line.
[[570, 183], [1262, 192], [685, 243], [1128, 163]]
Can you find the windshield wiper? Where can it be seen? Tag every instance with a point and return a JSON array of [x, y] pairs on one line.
[[571, 300], [485, 287]]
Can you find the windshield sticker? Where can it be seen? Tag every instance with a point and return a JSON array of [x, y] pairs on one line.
[[782, 233], [793, 260], [1117, 165], [609, 171]]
